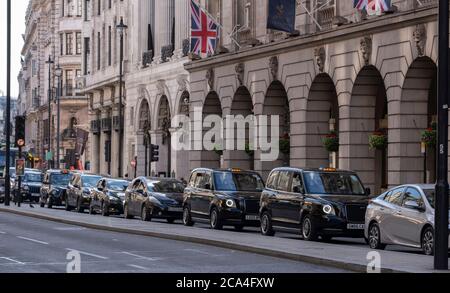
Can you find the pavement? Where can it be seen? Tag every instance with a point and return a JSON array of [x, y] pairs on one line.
[[344, 254], [30, 245]]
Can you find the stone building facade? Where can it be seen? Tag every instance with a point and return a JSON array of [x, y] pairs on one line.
[[346, 72], [53, 31]]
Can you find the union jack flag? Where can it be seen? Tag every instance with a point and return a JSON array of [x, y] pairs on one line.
[[204, 31]]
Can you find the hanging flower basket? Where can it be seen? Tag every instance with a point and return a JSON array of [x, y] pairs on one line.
[[285, 144], [249, 149], [378, 140], [429, 136], [331, 142]]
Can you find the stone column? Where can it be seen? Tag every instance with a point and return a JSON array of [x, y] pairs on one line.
[[163, 26], [182, 25]]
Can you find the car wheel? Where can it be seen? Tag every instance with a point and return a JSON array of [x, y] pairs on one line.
[[309, 230], [171, 220], [375, 237], [187, 219], [126, 213], [145, 214], [105, 210], [215, 220], [79, 208], [428, 241], [266, 225], [42, 204]]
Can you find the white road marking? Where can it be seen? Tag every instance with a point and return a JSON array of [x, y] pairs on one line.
[[141, 257], [1, 232], [138, 267], [88, 254], [69, 229], [33, 240], [12, 260]]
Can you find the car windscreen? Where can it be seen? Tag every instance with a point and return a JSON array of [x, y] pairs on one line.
[[117, 185], [430, 194], [333, 183], [229, 181], [60, 179], [90, 181], [167, 186], [32, 178]]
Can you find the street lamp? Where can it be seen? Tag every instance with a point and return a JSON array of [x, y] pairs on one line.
[[49, 62], [121, 27], [58, 74], [8, 105]]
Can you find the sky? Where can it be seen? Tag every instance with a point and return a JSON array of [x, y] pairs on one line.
[[18, 10]]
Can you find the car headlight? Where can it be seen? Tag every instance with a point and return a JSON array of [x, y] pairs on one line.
[[329, 210], [230, 203]]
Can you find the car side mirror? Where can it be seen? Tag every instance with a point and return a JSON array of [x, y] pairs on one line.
[[413, 205], [208, 186], [368, 191], [298, 189]]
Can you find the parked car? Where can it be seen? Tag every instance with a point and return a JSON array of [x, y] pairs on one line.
[[317, 203], [2, 190], [54, 188], [108, 196], [402, 216], [154, 198], [79, 191], [223, 197], [30, 185]]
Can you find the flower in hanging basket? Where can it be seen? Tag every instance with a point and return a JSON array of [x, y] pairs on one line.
[[378, 140], [249, 149], [285, 144], [331, 142], [429, 137]]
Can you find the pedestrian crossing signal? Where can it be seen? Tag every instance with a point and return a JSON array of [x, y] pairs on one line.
[[154, 153]]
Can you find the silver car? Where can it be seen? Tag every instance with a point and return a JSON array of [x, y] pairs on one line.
[[402, 216]]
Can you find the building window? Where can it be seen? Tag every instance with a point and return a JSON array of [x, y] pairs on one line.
[[79, 8], [99, 7], [34, 67], [69, 44], [69, 83], [78, 42], [61, 44], [99, 50], [87, 56], [109, 46], [71, 8], [87, 10]]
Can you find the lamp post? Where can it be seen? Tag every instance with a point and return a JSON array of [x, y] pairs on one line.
[[8, 105], [49, 62], [121, 27], [58, 74]]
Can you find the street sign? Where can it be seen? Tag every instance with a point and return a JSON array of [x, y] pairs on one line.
[[48, 156], [20, 167]]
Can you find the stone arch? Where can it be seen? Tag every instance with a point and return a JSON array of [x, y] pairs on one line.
[[276, 103], [183, 103], [367, 116], [322, 118], [181, 157], [416, 111], [235, 154], [211, 106], [162, 135]]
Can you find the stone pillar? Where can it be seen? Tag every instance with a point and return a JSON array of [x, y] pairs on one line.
[[115, 138], [163, 26], [103, 165], [182, 25]]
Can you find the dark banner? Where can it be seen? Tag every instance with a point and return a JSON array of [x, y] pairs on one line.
[[282, 15]]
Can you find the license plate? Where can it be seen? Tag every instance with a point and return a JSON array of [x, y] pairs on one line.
[[355, 226], [175, 209], [252, 217]]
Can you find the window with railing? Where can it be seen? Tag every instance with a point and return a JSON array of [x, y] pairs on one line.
[[324, 13]]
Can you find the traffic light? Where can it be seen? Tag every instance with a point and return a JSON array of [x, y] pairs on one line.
[[20, 131], [154, 153]]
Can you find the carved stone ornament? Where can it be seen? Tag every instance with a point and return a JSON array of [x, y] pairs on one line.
[[142, 91], [320, 55], [420, 39], [240, 72], [366, 49], [161, 86], [273, 65], [210, 78], [182, 82]]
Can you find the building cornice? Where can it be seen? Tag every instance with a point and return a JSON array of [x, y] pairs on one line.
[[350, 31]]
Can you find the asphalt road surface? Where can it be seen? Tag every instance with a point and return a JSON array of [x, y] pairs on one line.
[[29, 245]]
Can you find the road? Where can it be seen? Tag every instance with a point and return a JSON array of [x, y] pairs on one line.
[[29, 245]]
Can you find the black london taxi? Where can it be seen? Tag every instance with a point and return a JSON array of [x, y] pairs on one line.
[[79, 191], [108, 197], [54, 188], [30, 186], [149, 198], [322, 203], [223, 197]]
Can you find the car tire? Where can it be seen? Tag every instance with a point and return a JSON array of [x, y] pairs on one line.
[[266, 225], [187, 218], [374, 238], [126, 213], [309, 229], [170, 220], [427, 241], [215, 220], [145, 214], [105, 210], [42, 204], [79, 208]]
